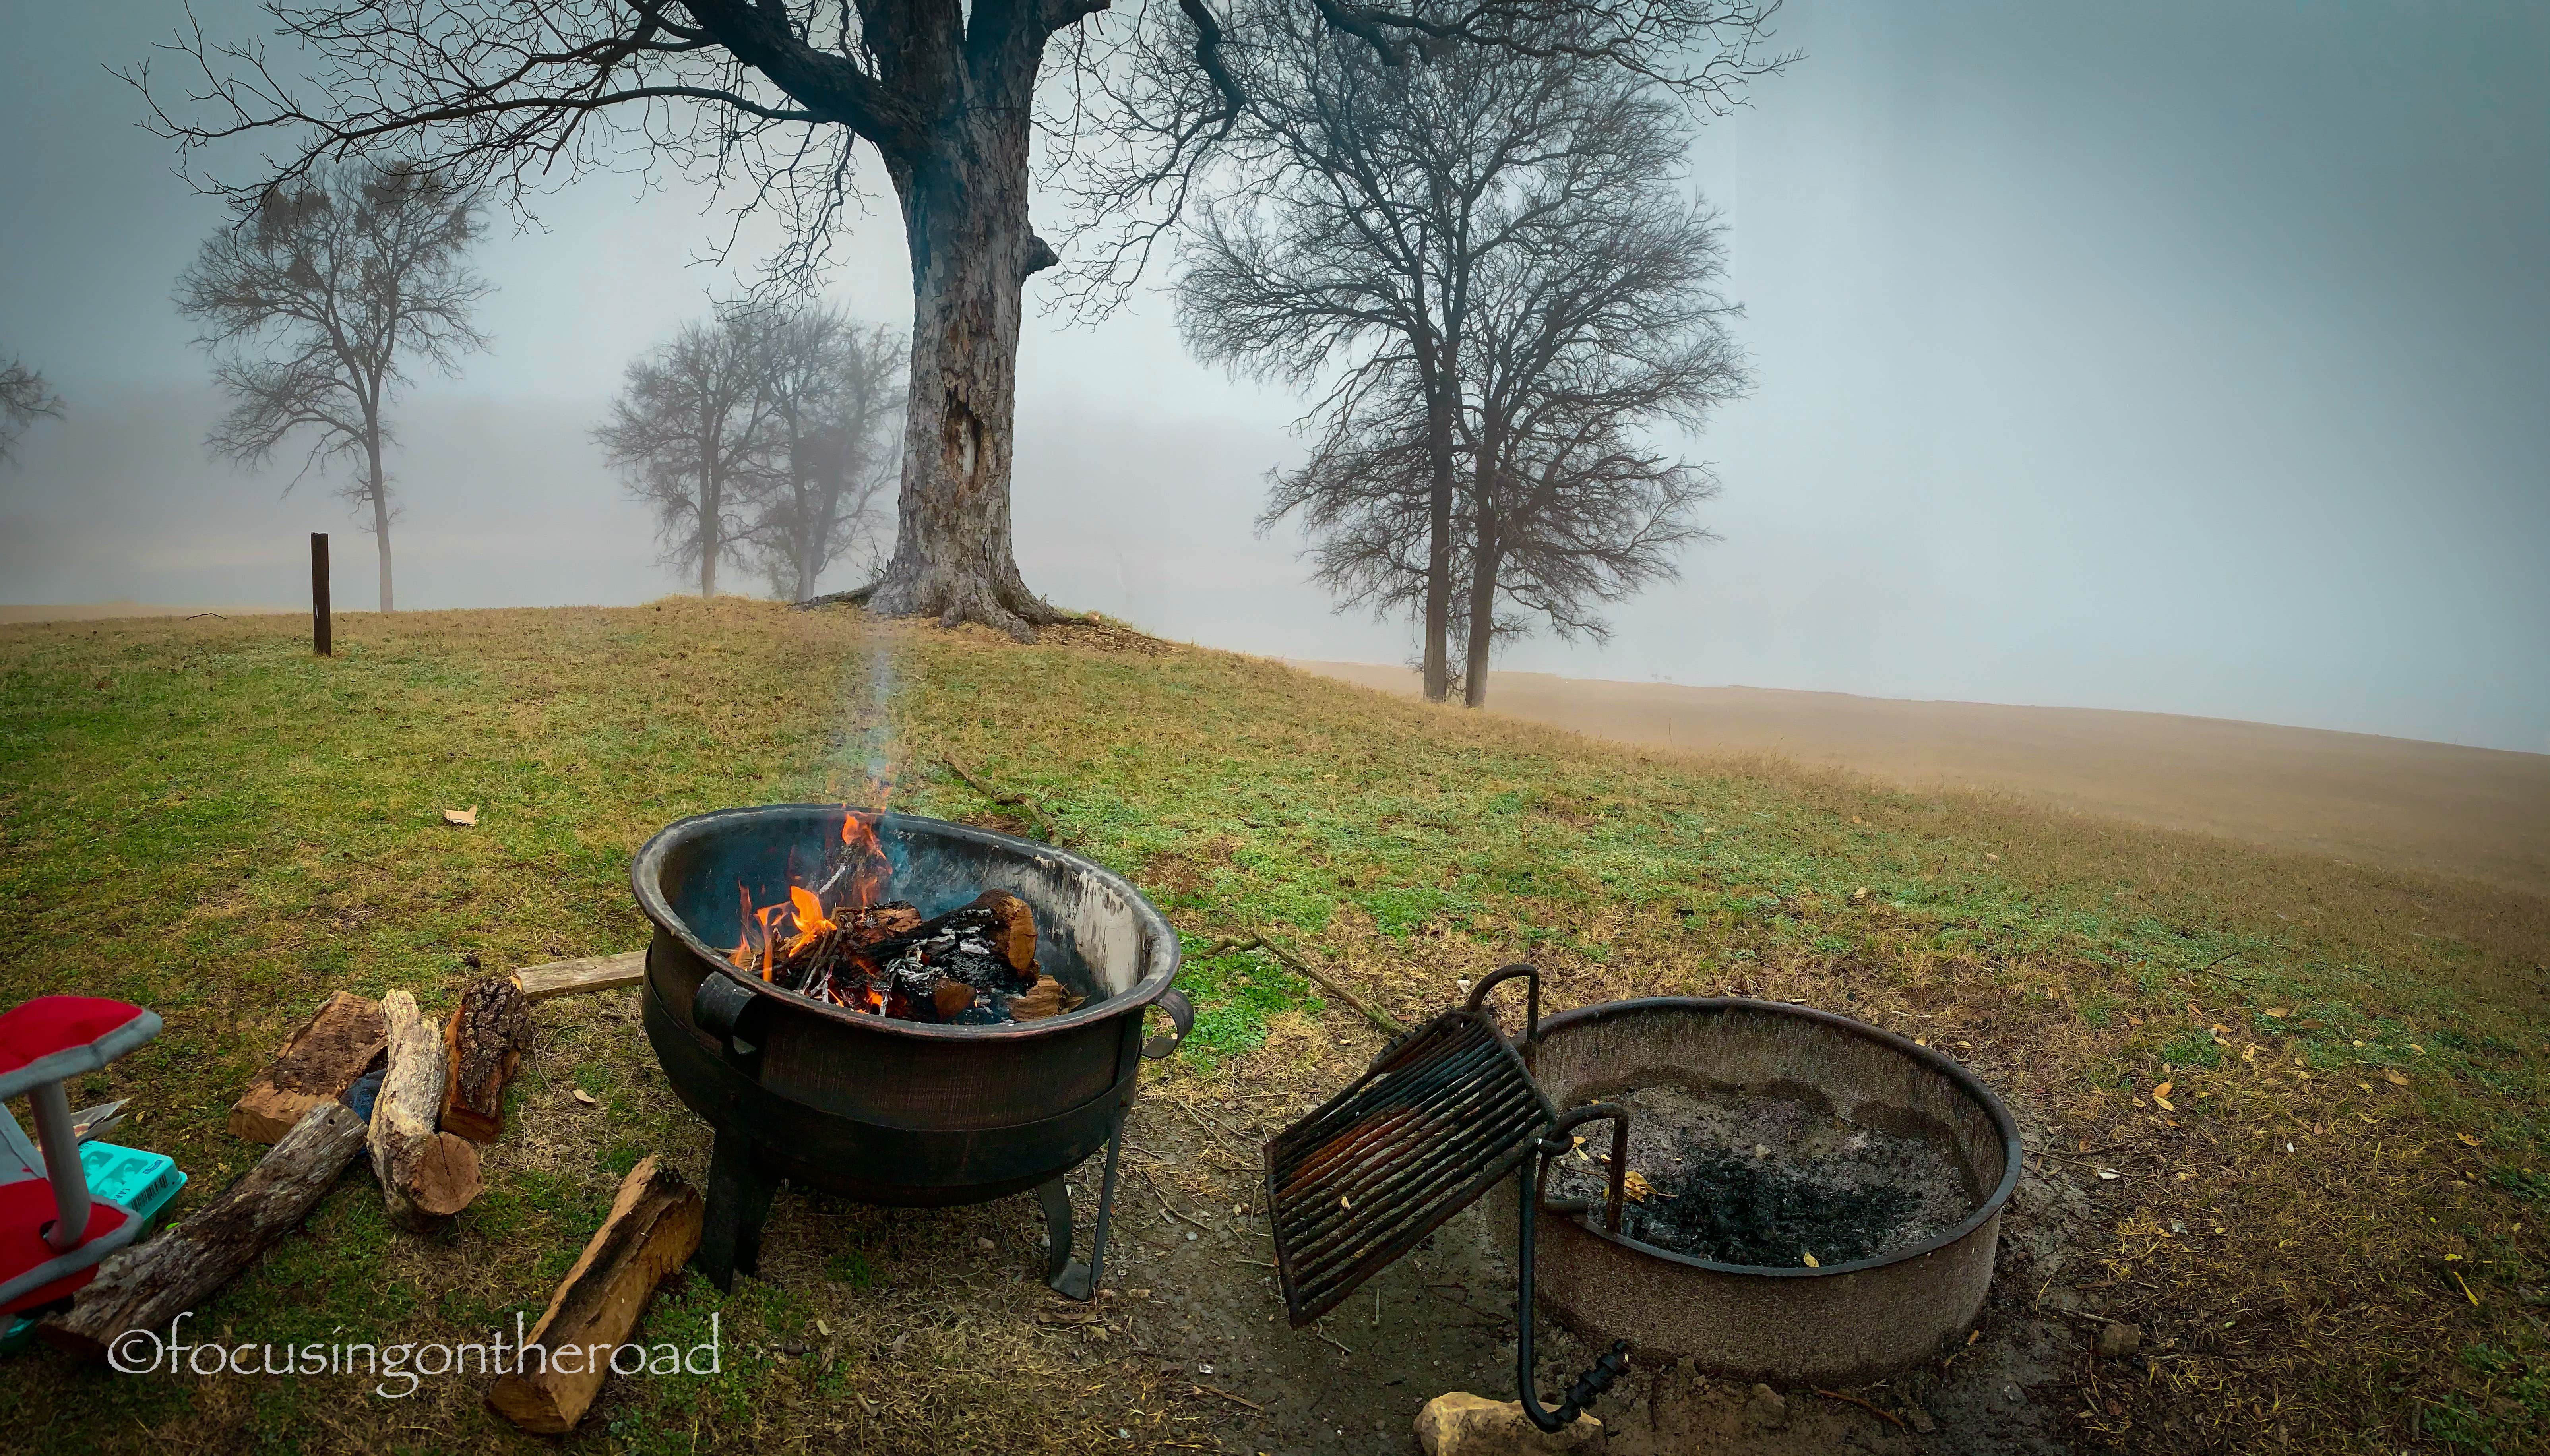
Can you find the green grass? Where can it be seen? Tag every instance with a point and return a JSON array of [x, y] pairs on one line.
[[203, 819]]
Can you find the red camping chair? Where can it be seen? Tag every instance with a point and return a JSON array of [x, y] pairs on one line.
[[52, 1233]]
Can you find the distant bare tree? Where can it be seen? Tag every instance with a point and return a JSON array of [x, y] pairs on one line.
[[317, 300], [512, 92], [1489, 272], [836, 400], [24, 398], [688, 433]]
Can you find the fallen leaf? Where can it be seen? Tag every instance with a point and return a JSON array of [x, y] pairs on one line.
[[2467, 1139], [823, 1329], [2166, 1105], [2395, 1079], [467, 819], [1636, 1189], [2274, 1010], [1811, 1261], [2162, 1091], [2110, 1174], [585, 1098]]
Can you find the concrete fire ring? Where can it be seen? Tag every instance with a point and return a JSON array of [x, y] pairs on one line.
[[1844, 1325]]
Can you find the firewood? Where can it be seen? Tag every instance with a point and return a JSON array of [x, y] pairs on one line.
[[145, 1286], [653, 1228], [1046, 998], [483, 1044], [567, 977], [339, 1043], [1012, 929], [427, 1176], [952, 997]]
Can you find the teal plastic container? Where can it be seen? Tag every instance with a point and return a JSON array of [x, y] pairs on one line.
[[142, 1181]]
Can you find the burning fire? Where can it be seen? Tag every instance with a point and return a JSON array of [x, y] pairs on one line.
[[784, 928], [837, 938]]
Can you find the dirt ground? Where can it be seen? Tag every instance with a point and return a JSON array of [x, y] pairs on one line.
[[2395, 803], [1193, 1299]]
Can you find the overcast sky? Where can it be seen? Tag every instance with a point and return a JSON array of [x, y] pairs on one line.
[[2184, 357]]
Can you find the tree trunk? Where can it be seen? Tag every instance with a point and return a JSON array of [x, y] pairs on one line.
[[1484, 561], [712, 507], [1438, 382], [965, 219], [380, 500]]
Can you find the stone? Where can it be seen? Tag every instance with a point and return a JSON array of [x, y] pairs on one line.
[[2117, 1341], [1459, 1424], [1919, 1419], [1765, 1409]]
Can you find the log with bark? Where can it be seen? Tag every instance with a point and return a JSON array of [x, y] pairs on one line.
[[653, 1231], [148, 1284], [339, 1042], [425, 1175], [483, 1044]]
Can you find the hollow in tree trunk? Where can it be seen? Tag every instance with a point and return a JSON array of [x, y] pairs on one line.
[[966, 217]]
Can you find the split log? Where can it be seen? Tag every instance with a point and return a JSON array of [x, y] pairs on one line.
[[596, 973], [337, 1044], [1046, 998], [482, 1046], [425, 1175], [653, 1228], [145, 1286]]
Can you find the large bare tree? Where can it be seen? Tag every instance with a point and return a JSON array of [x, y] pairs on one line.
[[690, 431], [1493, 278], [317, 301], [780, 93], [837, 410], [24, 398]]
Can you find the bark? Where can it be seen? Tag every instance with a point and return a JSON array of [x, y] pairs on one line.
[[483, 1044], [965, 219], [337, 1044], [149, 1283]]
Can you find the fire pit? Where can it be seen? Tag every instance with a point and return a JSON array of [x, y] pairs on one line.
[[879, 1109], [1764, 1128]]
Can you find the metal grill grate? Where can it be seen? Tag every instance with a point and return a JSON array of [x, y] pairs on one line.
[[1446, 1112]]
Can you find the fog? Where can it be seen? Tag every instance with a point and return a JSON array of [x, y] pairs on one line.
[[2146, 356]]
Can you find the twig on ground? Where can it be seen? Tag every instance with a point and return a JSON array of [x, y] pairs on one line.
[[1165, 1203], [1872, 1407], [1324, 1334], [1234, 1400], [1381, 1020], [1046, 824]]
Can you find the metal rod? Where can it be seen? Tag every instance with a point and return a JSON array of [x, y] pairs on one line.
[[62, 1166], [321, 635]]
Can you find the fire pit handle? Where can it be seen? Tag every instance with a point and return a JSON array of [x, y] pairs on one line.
[[1181, 1015], [721, 1006]]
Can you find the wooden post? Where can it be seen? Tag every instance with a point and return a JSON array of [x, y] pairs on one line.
[[320, 635]]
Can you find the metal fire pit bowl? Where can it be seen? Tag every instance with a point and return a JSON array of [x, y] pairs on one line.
[[881, 1111], [1842, 1325]]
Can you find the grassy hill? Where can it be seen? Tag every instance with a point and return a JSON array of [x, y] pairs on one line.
[[2332, 1230]]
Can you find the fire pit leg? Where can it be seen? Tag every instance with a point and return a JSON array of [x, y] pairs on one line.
[[738, 1200], [1066, 1274]]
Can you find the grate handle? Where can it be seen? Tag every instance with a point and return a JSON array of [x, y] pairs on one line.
[[1531, 1005]]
